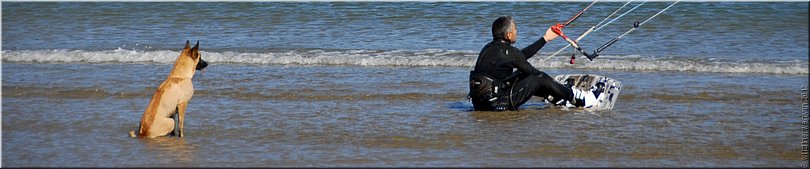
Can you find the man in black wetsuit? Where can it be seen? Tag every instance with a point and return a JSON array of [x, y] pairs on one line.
[[495, 86]]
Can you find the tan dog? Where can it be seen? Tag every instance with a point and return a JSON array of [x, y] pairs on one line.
[[172, 97]]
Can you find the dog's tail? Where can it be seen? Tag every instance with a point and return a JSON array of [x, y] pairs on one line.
[[132, 132]]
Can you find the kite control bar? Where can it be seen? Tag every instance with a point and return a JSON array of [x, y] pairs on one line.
[[558, 30]]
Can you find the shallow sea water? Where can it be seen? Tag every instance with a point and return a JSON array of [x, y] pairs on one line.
[[297, 115]]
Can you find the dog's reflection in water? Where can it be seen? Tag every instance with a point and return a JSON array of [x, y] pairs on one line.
[[175, 149]]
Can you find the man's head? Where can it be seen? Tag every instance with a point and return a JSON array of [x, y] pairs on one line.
[[504, 28]]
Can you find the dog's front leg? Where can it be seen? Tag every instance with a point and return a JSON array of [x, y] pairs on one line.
[[181, 113]]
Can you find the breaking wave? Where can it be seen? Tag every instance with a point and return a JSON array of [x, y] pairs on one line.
[[427, 57]]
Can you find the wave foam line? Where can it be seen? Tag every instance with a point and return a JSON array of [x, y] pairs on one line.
[[428, 57]]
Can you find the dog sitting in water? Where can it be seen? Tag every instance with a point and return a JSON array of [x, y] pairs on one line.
[[171, 98]]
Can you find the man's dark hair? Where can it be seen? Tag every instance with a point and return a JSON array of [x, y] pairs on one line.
[[501, 26]]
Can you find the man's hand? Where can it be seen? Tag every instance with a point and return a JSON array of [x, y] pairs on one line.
[[553, 32]]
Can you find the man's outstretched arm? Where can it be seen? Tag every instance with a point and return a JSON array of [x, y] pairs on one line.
[[532, 49]]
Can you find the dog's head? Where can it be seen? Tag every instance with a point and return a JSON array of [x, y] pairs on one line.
[[194, 54], [189, 61]]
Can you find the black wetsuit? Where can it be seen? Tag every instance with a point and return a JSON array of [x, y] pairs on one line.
[[498, 59]]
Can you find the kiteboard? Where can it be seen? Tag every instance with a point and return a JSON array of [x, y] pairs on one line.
[[605, 89]]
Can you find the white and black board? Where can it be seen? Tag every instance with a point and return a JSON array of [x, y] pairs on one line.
[[605, 89]]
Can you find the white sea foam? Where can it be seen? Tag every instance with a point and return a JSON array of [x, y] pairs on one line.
[[428, 57]]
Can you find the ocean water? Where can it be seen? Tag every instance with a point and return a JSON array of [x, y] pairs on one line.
[[730, 37], [707, 84]]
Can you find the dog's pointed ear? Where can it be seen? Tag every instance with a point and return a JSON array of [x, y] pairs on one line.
[[187, 45], [196, 46]]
